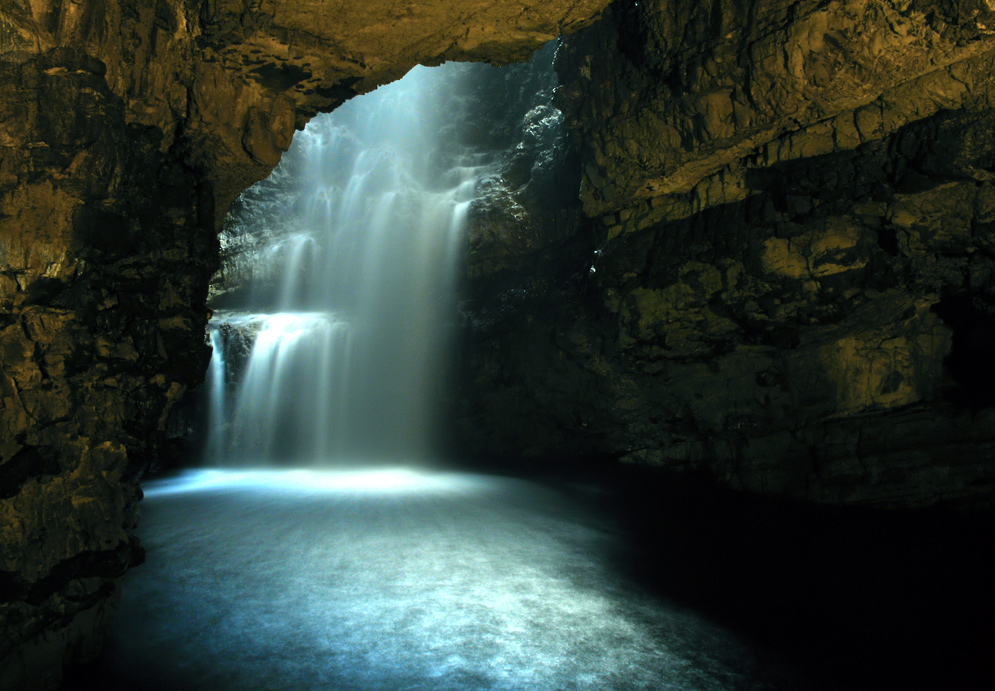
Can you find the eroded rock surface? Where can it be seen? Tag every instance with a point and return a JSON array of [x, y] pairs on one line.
[[791, 289]]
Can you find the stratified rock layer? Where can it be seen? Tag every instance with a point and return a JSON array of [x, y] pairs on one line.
[[791, 290], [126, 128]]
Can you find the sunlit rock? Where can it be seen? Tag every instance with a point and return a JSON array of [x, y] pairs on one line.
[[790, 252]]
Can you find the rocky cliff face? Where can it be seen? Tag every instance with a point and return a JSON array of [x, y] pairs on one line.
[[126, 128], [790, 291], [778, 272]]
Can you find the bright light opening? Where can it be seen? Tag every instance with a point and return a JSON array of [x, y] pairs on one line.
[[378, 481]]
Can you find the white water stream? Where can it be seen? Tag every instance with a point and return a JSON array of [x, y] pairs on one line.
[[347, 361]]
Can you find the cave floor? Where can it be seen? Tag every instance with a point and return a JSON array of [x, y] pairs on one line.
[[403, 580], [398, 579]]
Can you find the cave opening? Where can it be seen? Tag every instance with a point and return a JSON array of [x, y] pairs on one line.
[[321, 540], [316, 547], [334, 311], [728, 348]]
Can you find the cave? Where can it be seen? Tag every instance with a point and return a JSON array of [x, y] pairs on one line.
[[719, 358]]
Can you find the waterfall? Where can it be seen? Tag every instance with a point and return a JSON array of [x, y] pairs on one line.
[[339, 349], [216, 417]]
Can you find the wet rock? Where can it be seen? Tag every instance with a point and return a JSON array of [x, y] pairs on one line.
[[791, 210]]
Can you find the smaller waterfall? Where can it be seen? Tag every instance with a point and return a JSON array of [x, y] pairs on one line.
[[216, 396], [280, 410], [340, 352]]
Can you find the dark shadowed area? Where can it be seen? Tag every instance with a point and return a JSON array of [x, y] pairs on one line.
[[416, 579]]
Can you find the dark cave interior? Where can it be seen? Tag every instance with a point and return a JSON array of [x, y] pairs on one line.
[[722, 361]]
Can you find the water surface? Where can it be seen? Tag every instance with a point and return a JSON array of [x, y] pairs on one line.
[[403, 579]]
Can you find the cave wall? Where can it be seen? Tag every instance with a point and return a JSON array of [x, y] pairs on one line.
[[789, 289], [778, 272], [126, 129]]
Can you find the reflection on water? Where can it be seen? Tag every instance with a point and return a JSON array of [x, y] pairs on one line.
[[402, 579], [304, 482]]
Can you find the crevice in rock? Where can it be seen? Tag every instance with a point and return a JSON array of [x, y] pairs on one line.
[[28, 463], [971, 363]]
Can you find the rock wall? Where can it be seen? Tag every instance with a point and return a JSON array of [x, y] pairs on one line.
[[791, 287], [126, 129], [778, 273]]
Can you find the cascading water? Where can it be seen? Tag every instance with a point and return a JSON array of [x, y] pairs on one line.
[[329, 337], [342, 349]]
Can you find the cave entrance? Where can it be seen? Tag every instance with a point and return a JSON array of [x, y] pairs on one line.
[[331, 330], [334, 308]]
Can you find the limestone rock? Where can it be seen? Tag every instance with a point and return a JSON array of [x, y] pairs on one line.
[[791, 202]]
